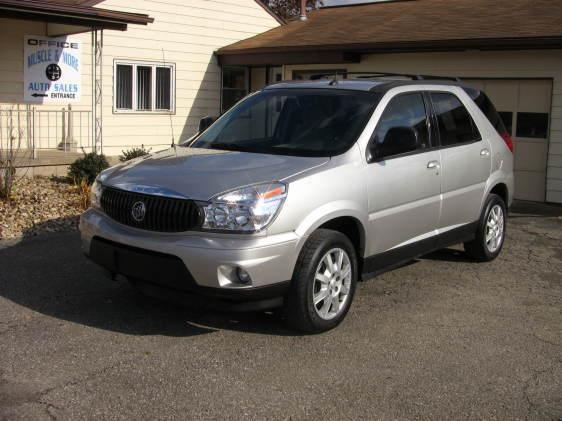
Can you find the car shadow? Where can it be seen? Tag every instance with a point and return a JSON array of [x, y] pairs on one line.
[[448, 255], [49, 274]]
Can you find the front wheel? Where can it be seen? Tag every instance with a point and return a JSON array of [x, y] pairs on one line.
[[323, 284], [490, 235]]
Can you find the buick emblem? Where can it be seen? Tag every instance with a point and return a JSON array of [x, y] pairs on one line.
[[138, 211]]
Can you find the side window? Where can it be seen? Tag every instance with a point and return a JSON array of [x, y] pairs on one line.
[[501, 121], [455, 123], [402, 128]]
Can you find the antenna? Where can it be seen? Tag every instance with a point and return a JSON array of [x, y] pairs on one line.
[[170, 114]]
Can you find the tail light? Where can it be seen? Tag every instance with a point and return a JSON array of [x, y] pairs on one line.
[[508, 141]]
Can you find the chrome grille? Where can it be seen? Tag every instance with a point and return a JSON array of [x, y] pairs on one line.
[[163, 214]]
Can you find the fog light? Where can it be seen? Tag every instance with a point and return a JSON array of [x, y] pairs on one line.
[[243, 276]]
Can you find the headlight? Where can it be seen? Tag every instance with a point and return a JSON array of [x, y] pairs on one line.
[[95, 194], [248, 209]]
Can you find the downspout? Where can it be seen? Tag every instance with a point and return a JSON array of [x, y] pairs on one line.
[[303, 10]]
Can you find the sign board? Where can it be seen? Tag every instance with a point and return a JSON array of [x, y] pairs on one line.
[[52, 70]]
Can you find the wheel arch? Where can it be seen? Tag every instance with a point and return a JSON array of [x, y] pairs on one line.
[[502, 191], [352, 228]]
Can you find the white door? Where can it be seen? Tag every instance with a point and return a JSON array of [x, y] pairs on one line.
[[525, 108]]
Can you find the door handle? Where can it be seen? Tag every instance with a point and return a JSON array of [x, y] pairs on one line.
[[484, 152], [433, 165]]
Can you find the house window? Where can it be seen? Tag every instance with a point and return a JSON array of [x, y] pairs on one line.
[[234, 85], [144, 87]]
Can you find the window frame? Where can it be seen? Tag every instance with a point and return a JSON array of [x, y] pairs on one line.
[[435, 123], [154, 65], [247, 80], [429, 123]]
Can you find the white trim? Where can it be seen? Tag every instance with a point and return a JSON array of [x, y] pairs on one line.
[[154, 65]]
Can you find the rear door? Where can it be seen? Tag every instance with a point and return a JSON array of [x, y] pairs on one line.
[[403, 179], [465, 160]]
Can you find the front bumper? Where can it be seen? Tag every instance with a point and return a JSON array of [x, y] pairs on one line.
[[193, 262]]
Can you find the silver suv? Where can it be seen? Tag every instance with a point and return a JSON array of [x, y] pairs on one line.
[[304, 188]]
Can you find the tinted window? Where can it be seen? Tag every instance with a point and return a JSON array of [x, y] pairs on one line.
[[534, 125], [455, 124], [234, 85], [507, 119], [302, 122], [402, 127], [498, 120]]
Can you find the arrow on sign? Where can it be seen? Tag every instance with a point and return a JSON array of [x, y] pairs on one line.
[[36, 95]]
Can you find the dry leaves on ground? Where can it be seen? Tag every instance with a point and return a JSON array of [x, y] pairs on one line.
[[39, 205]]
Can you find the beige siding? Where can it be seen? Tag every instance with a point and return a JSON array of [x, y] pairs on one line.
[[475, 65], [184, 33]]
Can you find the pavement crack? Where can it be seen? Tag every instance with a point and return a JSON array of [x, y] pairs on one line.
[[533, 379], [546, 341], [49, 409]]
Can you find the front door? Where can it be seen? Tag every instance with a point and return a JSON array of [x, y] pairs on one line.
[[403, 179]]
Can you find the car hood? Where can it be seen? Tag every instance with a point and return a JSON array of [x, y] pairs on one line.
[[200, 174]]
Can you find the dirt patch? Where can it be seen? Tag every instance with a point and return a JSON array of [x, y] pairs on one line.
[[40, 205]]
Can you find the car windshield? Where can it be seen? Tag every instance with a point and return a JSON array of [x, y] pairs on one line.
[[301, 122]]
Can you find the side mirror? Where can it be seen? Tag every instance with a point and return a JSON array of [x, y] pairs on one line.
[[205, 123], [398, 140]]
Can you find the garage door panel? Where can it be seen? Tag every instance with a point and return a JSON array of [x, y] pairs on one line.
[[530, 185], [535, 96], [530, 103], [503, 93], [477, 84], [530, 156]]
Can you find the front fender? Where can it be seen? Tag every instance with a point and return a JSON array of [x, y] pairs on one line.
[[326, 213]]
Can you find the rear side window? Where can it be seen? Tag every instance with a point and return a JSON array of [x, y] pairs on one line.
[[455, 123], [402, 127], [487, 107]]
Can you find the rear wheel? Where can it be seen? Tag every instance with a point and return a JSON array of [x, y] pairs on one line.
[[323, 284], [490, 235]]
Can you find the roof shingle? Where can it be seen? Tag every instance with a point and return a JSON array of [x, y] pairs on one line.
[[415, 22]]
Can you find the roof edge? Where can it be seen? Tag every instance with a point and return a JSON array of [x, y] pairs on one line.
[[548, 42], [372, 3], [79, 11]]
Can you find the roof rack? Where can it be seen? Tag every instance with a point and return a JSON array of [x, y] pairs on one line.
[[378, 75]]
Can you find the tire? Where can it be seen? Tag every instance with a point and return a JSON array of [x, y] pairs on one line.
[[312, 279], [480, 249]]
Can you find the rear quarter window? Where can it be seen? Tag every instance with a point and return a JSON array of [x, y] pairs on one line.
[[488, 109]]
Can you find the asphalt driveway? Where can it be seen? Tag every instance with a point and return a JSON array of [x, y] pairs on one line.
[[440, 338]]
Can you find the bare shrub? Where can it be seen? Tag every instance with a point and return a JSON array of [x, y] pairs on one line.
[[84, 190]]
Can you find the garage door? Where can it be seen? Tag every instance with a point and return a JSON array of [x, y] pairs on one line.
[[525, 108]]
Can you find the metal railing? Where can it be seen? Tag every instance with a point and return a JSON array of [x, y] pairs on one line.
[[35, 129]]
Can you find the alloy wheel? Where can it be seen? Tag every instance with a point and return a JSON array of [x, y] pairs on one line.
[[494, 229], [332, 283]]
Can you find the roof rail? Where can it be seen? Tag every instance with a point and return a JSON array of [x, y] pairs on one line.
[[377, 75]]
